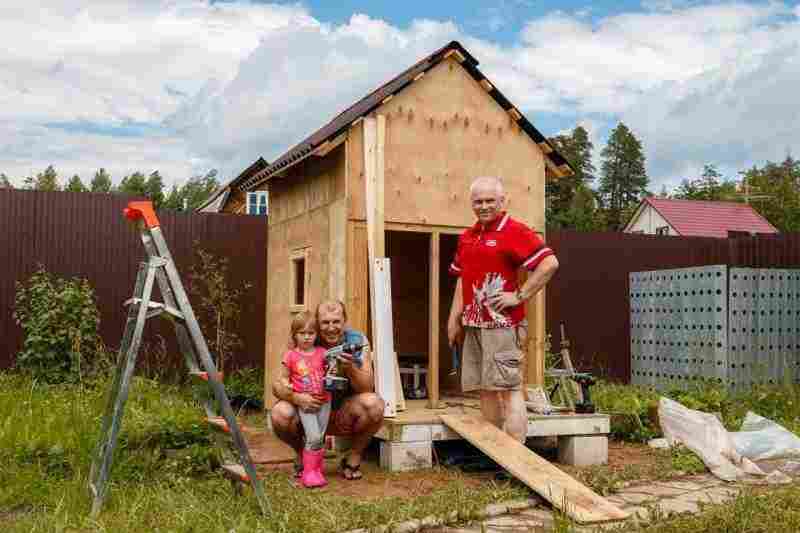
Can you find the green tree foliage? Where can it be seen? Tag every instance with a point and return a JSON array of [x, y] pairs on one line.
[[709, 186], [624, 179], [5, 183], [155, 189], [562, 193], [133, 185], [193, 193], [75, 185], [774, 191], [101, 181], [44, 181]]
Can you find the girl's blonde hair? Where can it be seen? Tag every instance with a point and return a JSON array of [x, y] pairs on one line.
[[300, 321]]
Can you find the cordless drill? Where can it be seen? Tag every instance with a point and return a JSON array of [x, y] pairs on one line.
[[585, 381], [333, 380]]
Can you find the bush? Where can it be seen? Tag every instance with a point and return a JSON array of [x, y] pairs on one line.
[[59, 320]]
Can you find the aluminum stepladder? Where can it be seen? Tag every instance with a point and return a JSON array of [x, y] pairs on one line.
[[160, 268]]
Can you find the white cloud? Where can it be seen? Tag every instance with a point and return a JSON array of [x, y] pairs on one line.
[[220, 85]]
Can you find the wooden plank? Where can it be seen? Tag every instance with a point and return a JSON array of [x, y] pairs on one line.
[[380, 162], [338, 253], [545, 146], [433, 327], [423, 228], [562, 491], [514, 113], [383, 331], [486, 85], [358, 278], [536, 340], [458, 55]]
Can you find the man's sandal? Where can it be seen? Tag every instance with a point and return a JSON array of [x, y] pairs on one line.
[[349, 471]]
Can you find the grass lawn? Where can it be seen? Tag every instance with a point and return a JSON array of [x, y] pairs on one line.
[[165, 476]]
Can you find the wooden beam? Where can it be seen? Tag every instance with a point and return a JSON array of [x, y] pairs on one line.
[[380, 162], [486, 85], [563, 491], [326, 147], [545, 146], [536, 340], [514, 113], [382, 327], [386, 100], [554, 169], [458, 55], [418, 76], [433, 326], [422, 228]]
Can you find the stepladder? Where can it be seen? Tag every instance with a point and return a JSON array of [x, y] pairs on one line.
[[159, 269]]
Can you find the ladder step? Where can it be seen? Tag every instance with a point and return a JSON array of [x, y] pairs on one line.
[[156, 308], [203, 376], [236, 472], [219, 423]]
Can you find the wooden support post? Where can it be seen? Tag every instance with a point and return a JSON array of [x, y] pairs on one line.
[[386, 367], [536, 340], [433, 326]]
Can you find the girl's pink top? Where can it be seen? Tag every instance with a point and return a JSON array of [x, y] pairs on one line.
[[307, 371]]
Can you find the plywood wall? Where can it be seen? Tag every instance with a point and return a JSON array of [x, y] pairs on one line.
[[307, 211], [442, 132]]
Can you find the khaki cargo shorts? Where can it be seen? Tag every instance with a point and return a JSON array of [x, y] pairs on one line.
[[492, 359]]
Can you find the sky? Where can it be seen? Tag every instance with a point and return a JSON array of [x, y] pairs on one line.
[[184, 86]]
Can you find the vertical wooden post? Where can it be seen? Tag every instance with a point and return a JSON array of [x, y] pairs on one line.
[[537, 332], [433, 323]]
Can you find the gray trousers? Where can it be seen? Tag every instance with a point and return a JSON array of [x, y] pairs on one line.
[[315, 425]]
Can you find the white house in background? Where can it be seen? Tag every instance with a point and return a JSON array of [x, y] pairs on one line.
[[696, 218]]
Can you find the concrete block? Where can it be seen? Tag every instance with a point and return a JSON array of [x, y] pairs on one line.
[[585, 450], [402, 456]]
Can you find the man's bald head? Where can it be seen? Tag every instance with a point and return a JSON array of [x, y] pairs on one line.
[[487, 197], [331, 319]]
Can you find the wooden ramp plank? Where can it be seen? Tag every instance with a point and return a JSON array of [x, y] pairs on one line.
[[565, 493]]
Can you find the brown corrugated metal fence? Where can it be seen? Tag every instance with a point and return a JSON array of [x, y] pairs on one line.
[[85, 235], [589, 293]]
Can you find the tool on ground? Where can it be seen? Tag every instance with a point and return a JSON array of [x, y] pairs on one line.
[[160, 268], [569, 391], [585, 380]]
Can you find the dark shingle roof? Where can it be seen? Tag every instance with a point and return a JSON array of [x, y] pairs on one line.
[[258, 165], [341, 122]]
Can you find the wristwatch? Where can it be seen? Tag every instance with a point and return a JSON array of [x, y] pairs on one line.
[[518, 294]]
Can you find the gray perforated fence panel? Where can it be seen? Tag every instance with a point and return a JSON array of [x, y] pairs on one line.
[[736, 326], [764, 341], [678, 326]]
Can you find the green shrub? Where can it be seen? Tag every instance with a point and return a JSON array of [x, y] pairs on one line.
[[59, 320]]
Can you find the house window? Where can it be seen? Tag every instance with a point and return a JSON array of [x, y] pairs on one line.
[[300, 276], [257, 203], [662, 230]]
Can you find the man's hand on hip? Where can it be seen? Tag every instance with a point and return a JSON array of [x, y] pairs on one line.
[[504, 300]]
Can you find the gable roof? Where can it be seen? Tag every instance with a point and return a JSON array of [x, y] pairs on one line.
[[700, 218], [555, 161], [259, 164]]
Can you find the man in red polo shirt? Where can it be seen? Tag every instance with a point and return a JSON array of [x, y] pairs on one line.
[[487, 313]]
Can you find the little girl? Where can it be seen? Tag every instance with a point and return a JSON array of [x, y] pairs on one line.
[[306, 365]]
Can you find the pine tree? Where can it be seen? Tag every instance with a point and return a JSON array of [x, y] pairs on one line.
[[193, 193], [624, 178], [577, 149], [101, 181], [44, 181], [75, 185], [5, 183], [155, 189], [709, 186], [133, 185]]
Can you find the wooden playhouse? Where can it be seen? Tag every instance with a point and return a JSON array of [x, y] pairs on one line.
[[390, 176]]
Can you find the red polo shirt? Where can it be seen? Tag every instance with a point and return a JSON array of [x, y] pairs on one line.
[[488, 260]]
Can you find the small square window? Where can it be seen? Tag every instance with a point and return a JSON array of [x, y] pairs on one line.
[[299, 272], [257, 203]]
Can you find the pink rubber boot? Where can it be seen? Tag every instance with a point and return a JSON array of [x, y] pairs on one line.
[[313, 461]]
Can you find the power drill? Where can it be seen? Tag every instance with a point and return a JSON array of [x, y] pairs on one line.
[[585, 381], [333, 380]]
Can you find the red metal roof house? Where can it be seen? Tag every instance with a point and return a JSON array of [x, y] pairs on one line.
[[696, 218]]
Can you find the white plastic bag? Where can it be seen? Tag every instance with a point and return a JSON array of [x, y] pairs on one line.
[[705, 435], [760, 438]]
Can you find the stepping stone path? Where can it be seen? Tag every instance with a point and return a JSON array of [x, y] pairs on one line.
[[662, 498]]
